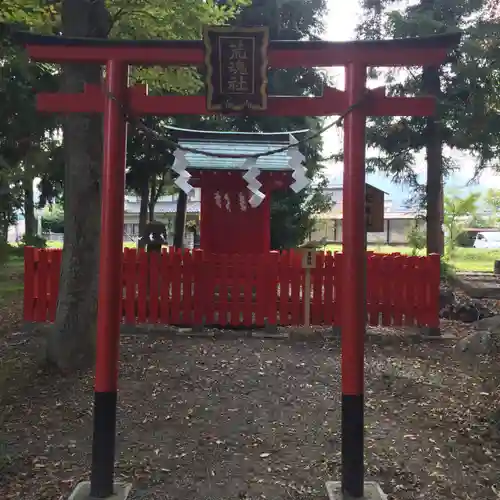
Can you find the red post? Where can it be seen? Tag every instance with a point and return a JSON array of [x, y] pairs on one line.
[[110, 281], [354, 286]]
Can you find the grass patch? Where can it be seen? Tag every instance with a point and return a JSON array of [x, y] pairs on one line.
[[466, 259], [59, 244], [11, 278]]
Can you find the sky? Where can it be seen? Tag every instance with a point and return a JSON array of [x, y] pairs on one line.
[[341, 21]]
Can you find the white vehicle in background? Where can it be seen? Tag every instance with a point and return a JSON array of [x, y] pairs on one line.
[[487, 240]]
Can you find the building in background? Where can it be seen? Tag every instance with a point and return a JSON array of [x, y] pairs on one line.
[[397, 222], [165, 211]]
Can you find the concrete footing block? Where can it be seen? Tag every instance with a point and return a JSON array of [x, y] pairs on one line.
[[431, 331], [372, 491], [199, 328], [265, 335], [304, 333], [270, 328], [82, 492]]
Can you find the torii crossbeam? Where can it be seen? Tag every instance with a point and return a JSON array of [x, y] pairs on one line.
[[115, 96]]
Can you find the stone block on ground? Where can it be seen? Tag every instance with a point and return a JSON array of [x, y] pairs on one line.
[[305, 333], [482, 342], [372, 491], [270, 335], [491, 324], [429, 331], [82, 492], [193, 332]]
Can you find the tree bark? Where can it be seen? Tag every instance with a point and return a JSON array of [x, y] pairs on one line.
[[156, 190], [143, 210], [4, 228], [180, 220], [434, 150], [30, 227], [71, 342], [151, 208]]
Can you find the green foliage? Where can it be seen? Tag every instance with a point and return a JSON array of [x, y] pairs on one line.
[[5, 251], [148, 162], [469, 82], [53, 219], [29, 13], [458, 211], [192, 226], [27, 146], [33, 241], [416, 239], [292, 215], [492, 202], [448, 270], [26, 136], [168, 20]]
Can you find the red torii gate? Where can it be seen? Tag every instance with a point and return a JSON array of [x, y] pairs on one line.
[[118, 56]]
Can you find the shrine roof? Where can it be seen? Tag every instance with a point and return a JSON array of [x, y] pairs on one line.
[[277, 161], [278, 139]]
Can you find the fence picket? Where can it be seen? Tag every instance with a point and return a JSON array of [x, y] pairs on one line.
[[284, 287], [399, 289], [166, 286], [186, 288], [317, 275], [142, 290], [154, 287], [175, 304], [373, 289], [42, 279], [272, 281], [337, 288], [296, 289], [236, 268], [249, 287], [383, 274], [409, 311], [130, 284], [199, 288], [328, 304]]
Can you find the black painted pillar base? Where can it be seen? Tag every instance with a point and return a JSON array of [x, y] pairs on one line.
[[352, 445], [103, 446]]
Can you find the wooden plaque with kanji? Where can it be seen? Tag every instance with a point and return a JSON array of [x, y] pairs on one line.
[[374, 209], [236, 68]]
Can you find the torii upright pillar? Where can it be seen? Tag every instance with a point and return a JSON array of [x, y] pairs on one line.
[[355, 57]]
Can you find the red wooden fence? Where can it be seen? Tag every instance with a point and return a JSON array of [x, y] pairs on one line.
[[191, 288]]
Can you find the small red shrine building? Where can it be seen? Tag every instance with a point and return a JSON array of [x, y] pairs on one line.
[[229, 223]]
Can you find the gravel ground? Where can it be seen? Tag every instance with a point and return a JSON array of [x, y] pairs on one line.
[[251, 419]]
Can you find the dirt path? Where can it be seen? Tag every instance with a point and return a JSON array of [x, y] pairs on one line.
[[252, 419]]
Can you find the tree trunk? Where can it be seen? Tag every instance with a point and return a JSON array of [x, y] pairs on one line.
[[151, 209], [71, 342], [434, 150], [30, 227], [180, 220], [153, 198], [4, 228], [143, 210]]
